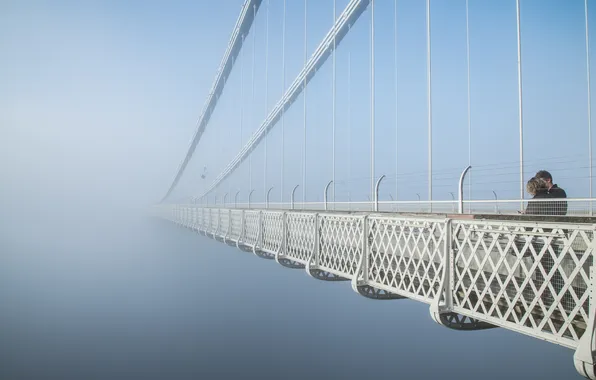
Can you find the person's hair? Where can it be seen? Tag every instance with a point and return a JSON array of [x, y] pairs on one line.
[[544, 175], [535, 184]]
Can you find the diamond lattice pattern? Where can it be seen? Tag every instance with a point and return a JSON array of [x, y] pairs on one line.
[[272, 230], [529, 275], [406, 255], [236, 221], [340, 246], [301, 236], [251, 223]]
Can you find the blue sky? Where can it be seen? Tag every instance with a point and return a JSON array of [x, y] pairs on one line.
[[101, 98]]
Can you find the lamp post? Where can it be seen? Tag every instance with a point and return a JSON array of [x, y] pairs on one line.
[[249, 197], [267, 200], [292, 197], [236, 199], [461, 189], [376, 208], [325, 194]]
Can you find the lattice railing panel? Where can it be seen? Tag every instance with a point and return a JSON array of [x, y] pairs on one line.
[[236, 221], [224, 216], [301, 236], [251, 225], [207, 220], [531, 276], [272, 230], [214, 220], [193, 219], [340, 246], [200, 212], [183, 215], [186, 216], [407, 255]]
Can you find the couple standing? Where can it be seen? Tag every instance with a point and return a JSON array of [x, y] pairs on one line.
[[541, 186]]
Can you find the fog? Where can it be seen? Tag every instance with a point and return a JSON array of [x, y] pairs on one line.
[[98, 102]]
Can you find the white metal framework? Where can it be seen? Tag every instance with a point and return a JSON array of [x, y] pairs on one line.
[[536, 278]]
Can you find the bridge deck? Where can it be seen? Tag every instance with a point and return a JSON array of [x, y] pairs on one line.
[[533, 277]]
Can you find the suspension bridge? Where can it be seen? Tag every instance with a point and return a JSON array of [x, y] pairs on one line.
[[336, 133]]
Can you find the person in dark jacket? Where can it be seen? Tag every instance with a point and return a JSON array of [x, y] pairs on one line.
[[554, 191], [538, 188]]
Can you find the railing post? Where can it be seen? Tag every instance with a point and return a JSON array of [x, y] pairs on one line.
[[201, 219], [376, 208], [325, 194], [496, 203], [445, 290], [284, 227], [242, 229], [583, 358], [229, 229], [261, 235], [449, 264], [218, 223], [236, 199], [224, 199], [365, 248], [461, 189], [210, 221], [317, 241]]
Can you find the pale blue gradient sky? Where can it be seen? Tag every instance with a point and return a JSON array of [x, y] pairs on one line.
[[102, 97]]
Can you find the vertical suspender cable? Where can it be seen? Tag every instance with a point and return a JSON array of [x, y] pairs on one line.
[[252, 101], [372, 99], [469, 102], [521, 115], [396, 96], [429, 103], [283, 112], [333, 107], [304, 113], [349, 124], [241, 90], [266, 93], [589, 98]]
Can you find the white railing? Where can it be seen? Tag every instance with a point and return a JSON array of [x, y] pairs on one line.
[[532, 277], [543, 206]]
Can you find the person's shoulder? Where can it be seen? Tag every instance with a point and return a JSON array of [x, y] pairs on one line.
[[557, 192], [542, 194]]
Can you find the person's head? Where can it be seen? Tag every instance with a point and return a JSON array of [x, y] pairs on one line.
[[543, 174], [536, 185]]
